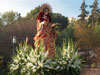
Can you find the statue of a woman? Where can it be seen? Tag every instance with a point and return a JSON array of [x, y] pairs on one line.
[[45, 30]]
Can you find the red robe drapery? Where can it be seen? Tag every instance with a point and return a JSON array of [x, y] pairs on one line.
[[47, 34]]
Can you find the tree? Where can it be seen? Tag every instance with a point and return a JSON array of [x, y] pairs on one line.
[[62, 20], [33, 13], [56, 17], [9, 17], [94, 13], [84, 13]]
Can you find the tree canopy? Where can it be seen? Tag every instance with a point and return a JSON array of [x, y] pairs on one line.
[[56, 17], [9, 17], [95, 13], [84, 12]]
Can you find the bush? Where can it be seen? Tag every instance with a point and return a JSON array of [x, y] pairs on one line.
[[21, 29], [29, 61], [68, 32], [87, 37]]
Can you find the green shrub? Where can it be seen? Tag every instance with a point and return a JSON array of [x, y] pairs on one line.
[[29, 61], [70, 59], [87, 37], [68, 32]]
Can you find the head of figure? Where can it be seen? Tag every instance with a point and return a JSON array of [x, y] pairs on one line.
[[46, 11]]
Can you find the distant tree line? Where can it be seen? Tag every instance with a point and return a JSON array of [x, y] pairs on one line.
[[11, 16]]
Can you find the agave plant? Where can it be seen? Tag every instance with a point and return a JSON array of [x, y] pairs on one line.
[[70, 61], [29, 61]]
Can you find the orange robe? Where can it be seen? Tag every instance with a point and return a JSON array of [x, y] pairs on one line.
[[47, 34]]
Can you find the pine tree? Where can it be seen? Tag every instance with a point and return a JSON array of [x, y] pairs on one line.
[[94, 13], [84, 13]]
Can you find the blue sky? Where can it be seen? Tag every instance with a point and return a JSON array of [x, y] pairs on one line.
[[68, 8]]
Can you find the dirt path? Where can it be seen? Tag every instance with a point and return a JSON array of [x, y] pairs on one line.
[[91, 71]]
